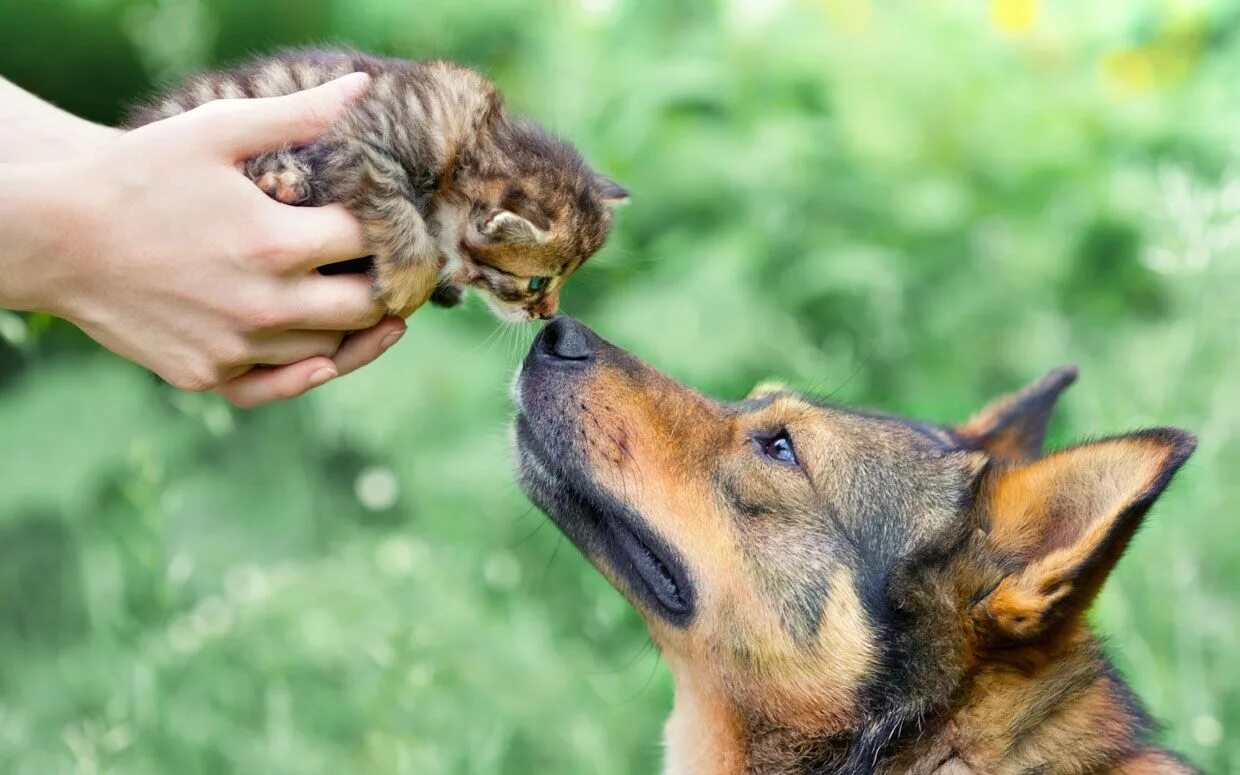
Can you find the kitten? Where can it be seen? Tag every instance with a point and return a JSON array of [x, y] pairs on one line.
[[453, 190]]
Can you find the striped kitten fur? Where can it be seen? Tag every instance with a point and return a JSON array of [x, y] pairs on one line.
[[454, 191]]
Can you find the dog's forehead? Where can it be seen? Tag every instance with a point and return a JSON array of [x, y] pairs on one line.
[[883, 426], [889, 480]]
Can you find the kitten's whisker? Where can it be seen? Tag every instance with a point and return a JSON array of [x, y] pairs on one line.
[[490, 336]]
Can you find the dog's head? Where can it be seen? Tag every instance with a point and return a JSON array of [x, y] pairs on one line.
[[820, 562]]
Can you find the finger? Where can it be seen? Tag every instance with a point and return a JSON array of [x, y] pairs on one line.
[[266, 384], [362, 347], [343, 302], [284, 347], [319, 236], [246, 127]]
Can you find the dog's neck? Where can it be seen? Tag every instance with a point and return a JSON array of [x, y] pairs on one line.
[[1065, 712], [706, 732]]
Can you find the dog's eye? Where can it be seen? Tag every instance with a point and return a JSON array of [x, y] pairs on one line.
[[538, 282], [779, 448]]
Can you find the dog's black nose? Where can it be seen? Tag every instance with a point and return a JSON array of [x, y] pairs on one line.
[[565, 339]]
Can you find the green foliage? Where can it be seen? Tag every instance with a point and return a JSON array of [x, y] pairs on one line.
[[916, 209]]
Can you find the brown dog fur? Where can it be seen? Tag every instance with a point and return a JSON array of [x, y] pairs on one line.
[[874, 595]]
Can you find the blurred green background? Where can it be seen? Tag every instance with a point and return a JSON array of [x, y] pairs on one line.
[[910, 205]]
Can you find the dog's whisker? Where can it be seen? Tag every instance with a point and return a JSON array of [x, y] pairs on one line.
[[628, 664], [864, 362], [551, 559], [654, 668], [489, 337], [531, 534]]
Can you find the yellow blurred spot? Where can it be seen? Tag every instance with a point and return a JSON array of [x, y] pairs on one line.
[[1180, 45], [850, 15], [1170, 64], [1014, 17], [1130, 70]]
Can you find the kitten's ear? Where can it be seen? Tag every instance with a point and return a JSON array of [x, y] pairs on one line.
[[1062, 522], [609, 191], [507, 226]]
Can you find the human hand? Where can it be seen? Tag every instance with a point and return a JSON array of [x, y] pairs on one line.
[[160, 249]]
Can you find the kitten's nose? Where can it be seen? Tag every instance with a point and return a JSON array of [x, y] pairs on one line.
[[546, 308], [565, 339]]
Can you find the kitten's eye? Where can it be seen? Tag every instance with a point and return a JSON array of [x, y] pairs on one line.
[[536, 283], [778, 448]]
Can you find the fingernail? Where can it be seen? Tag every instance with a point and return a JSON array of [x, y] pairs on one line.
[[321, 376], [392, 338]]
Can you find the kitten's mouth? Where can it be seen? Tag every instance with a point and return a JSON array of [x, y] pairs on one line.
[[508, 313]]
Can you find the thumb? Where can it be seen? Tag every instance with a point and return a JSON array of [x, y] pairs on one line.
[[247, 127]]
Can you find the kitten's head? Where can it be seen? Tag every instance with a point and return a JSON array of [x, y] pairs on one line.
[[528, 212]]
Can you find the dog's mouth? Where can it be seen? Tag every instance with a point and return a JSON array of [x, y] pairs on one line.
[[600, 526]]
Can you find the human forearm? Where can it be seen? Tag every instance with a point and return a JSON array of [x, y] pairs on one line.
[[34, 130]]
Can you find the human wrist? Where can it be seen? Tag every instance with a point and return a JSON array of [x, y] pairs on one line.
[[40, 215], [32, 130], [79, 139]]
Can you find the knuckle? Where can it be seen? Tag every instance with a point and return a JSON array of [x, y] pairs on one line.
[[214, 109], [229, 352], [196, 377], [260, 318], [272, 248], [257, 312], [329, 343]]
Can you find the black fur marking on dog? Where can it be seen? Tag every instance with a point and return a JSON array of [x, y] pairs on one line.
[[596, 523], [747, 508]]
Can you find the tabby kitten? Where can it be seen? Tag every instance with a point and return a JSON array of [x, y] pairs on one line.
[[453, 190]]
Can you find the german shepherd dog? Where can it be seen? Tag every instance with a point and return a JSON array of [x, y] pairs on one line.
[[841, 591]]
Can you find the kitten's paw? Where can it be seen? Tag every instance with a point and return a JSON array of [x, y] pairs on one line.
[[448, 295], [288, 186], [403, 289]]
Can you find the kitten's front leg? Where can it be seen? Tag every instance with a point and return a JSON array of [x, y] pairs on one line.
[[406, 257]]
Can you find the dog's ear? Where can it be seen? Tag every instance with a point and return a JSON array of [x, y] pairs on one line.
[[1013, 427], [767, 387], [1063, 521]]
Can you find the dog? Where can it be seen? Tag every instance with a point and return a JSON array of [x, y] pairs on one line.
[[843, 591]]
